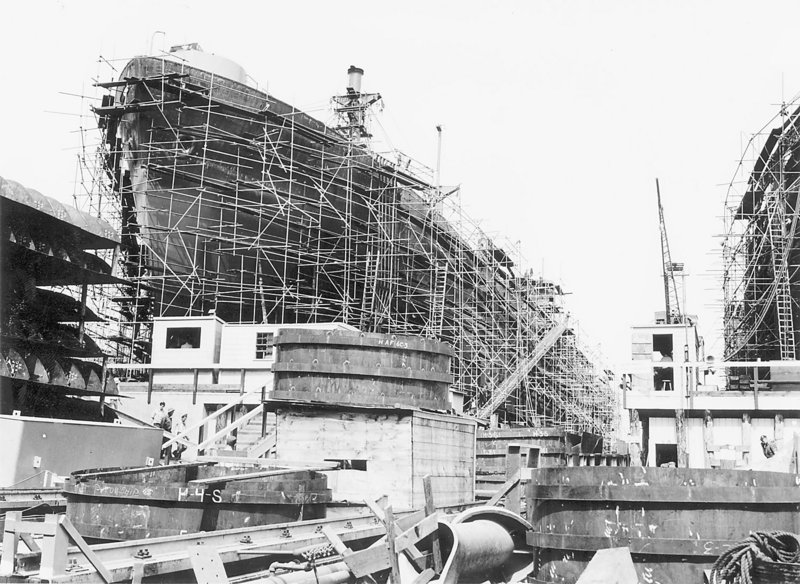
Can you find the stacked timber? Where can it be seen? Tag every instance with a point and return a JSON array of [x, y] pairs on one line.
[[367, 369], [675, 521], [122, 504]]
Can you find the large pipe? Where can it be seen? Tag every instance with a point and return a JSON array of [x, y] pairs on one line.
[[483, 546]]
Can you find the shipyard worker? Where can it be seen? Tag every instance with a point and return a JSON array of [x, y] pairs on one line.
[[768, 446], [177, 429], [160, 416]]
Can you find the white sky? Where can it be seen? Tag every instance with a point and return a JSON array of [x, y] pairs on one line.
[[558, 115]]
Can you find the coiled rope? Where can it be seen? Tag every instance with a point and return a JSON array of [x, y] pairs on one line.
[[735, 566]]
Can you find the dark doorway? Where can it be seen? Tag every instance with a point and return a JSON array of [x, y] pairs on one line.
[[666, 453]]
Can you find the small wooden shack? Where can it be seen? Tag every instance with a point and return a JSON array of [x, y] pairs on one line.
[[385, 451]]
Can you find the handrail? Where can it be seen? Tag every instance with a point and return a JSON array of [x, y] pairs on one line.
[[173, 437], [232, 426], [208, 418]]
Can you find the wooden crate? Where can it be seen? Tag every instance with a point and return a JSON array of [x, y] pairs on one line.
[[389, 450]]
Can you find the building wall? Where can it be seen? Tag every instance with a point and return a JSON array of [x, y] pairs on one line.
[[64, 446], [642, 349], [227, 352], [238, 351], [727, 438]]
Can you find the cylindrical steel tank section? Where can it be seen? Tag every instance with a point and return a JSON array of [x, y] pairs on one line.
[[676, 521], [123, 504], [348, 367]]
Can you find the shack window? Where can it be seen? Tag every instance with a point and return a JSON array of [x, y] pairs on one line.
[[264, 342], [663, 377], [183, 338], [663, 344]]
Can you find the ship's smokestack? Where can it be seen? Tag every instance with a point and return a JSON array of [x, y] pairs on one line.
[[354, 75]]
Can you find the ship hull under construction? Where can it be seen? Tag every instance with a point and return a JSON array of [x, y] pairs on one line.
[[761, 249], [233, 201]]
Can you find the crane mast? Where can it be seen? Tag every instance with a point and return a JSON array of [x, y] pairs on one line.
[[672, 307]]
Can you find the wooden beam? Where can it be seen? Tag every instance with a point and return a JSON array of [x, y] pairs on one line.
[[251, 475], [410, 537], [430, 509], [504, 489], [394, 575], [335, 540], [425, 576]]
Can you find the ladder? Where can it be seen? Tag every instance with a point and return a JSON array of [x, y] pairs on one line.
[[780, 270], [438, 300]]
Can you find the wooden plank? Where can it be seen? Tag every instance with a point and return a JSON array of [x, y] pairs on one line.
[[424, 577], [366, 562], [430, 509], [254, 475], [610, 566], [411, 536], [504, 489], [335, 540], [376, 509], [394, 575]]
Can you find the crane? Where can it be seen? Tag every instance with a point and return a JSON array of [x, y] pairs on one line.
[[673, 314]]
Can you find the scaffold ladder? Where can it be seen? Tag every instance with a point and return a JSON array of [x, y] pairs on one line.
[[438, 301], [783, 298]]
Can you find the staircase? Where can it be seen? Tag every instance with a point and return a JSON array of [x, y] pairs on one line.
[[249, 442]]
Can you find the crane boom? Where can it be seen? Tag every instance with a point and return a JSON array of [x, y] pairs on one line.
[[672, 307]]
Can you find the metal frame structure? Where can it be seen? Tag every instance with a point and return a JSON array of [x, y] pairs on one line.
[[760, 252], [230, 200]]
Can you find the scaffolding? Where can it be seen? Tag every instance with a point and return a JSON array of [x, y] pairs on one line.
[[760, 251], [229, 200]]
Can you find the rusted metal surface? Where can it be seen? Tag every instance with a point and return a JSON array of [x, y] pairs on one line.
[[362, 368], [676, 521], [165, 501]]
